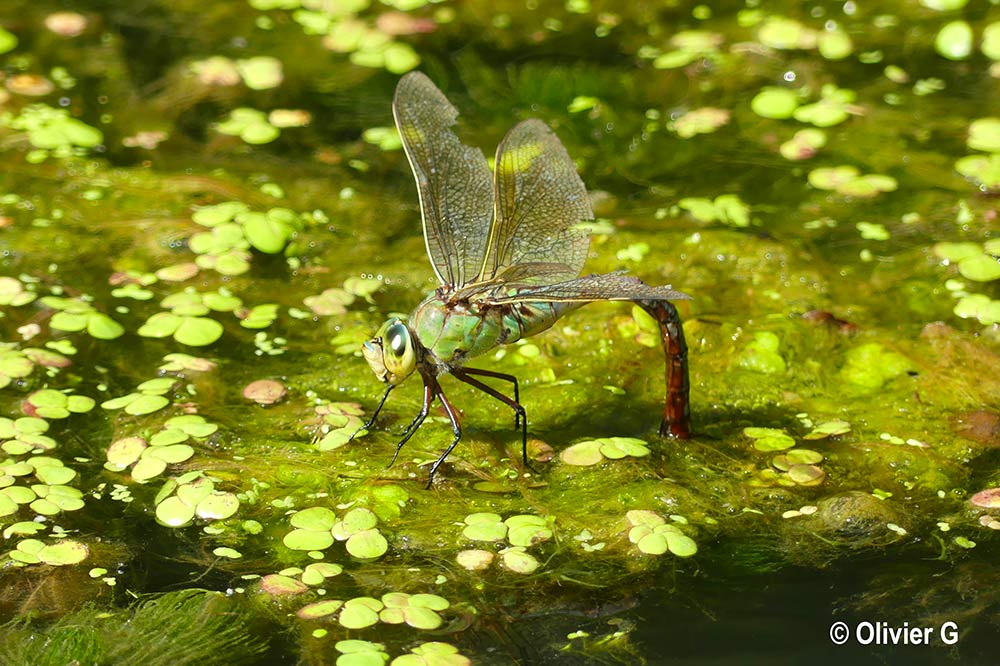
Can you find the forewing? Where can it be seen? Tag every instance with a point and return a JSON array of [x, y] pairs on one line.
[[539, 200], [453, 180], [606, 287]]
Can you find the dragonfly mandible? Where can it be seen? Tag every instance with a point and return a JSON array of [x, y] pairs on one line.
[[507, 249]]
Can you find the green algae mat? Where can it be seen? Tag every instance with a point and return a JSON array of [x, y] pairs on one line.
[[206, 211]]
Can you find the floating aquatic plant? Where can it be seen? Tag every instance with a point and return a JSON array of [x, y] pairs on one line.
[[251, 125], [316, 529], [53, 404], [954, 40], [193, 495], [652, 535], [340, 421], [594, 451], [24, 435], [688, 46], [847, 180], [61, 553], [432, 654], [761, 354], [8, 41], [74, 315], [700, 121], [726, 208], [150, 458], [361, 653], [769, 439], [53, 131], [14, 294], [148, 397], [803, 145], [264, 391]]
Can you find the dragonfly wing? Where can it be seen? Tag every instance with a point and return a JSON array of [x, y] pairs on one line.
[[605, 287], [539, 200], [453, 180]]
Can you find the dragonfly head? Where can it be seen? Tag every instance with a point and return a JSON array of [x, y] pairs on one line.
[[392, 353]]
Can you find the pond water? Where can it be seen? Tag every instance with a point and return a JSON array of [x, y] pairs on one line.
[[205, 211]]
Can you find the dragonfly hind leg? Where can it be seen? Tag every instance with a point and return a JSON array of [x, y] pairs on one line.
[[520, 415]]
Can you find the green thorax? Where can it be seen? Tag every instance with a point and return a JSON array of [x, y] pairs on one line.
[[453, 332]]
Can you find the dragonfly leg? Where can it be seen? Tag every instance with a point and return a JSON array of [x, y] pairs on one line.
[[507, 378], [455, 428], [676, 409], [429, 393], [378, 409], [521, 416]]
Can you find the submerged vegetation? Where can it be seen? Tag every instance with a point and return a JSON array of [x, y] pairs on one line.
[[204, 212]]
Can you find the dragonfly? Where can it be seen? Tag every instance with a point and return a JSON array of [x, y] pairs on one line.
[[507, 246]]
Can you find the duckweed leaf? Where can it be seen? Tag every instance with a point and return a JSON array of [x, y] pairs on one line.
[[360, 612], [582, 454], [978, 306], [700, 121], [278, 585], [829, 429], [777, 103], [316, 518], [783, 33], [8, 41], [367, 544], [211, 216], [870, 365], [761, 355], [769, 439], [260, 72], [806, 475], [308, 540], [218, 506], [386, 138], [517, 560], [197, 331], [172, 512], [264, 391], [987, 499], [250, 125], [63, 553], [834, 44], [954, 40], [317, 572], [432, 654], [527, 530], [13, 293], [474, 559], [361, 653], [319, 609], [484, 527], [803, 145], [980, 267]]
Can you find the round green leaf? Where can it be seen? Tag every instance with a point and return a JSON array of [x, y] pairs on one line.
[[198, 331]]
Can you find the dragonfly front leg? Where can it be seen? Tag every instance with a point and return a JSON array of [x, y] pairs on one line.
[[429, 393], [455, 428], [521, 416], [378, 409], [508, 378]]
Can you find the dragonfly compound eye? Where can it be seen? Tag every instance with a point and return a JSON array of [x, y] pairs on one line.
[[397, 351]]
